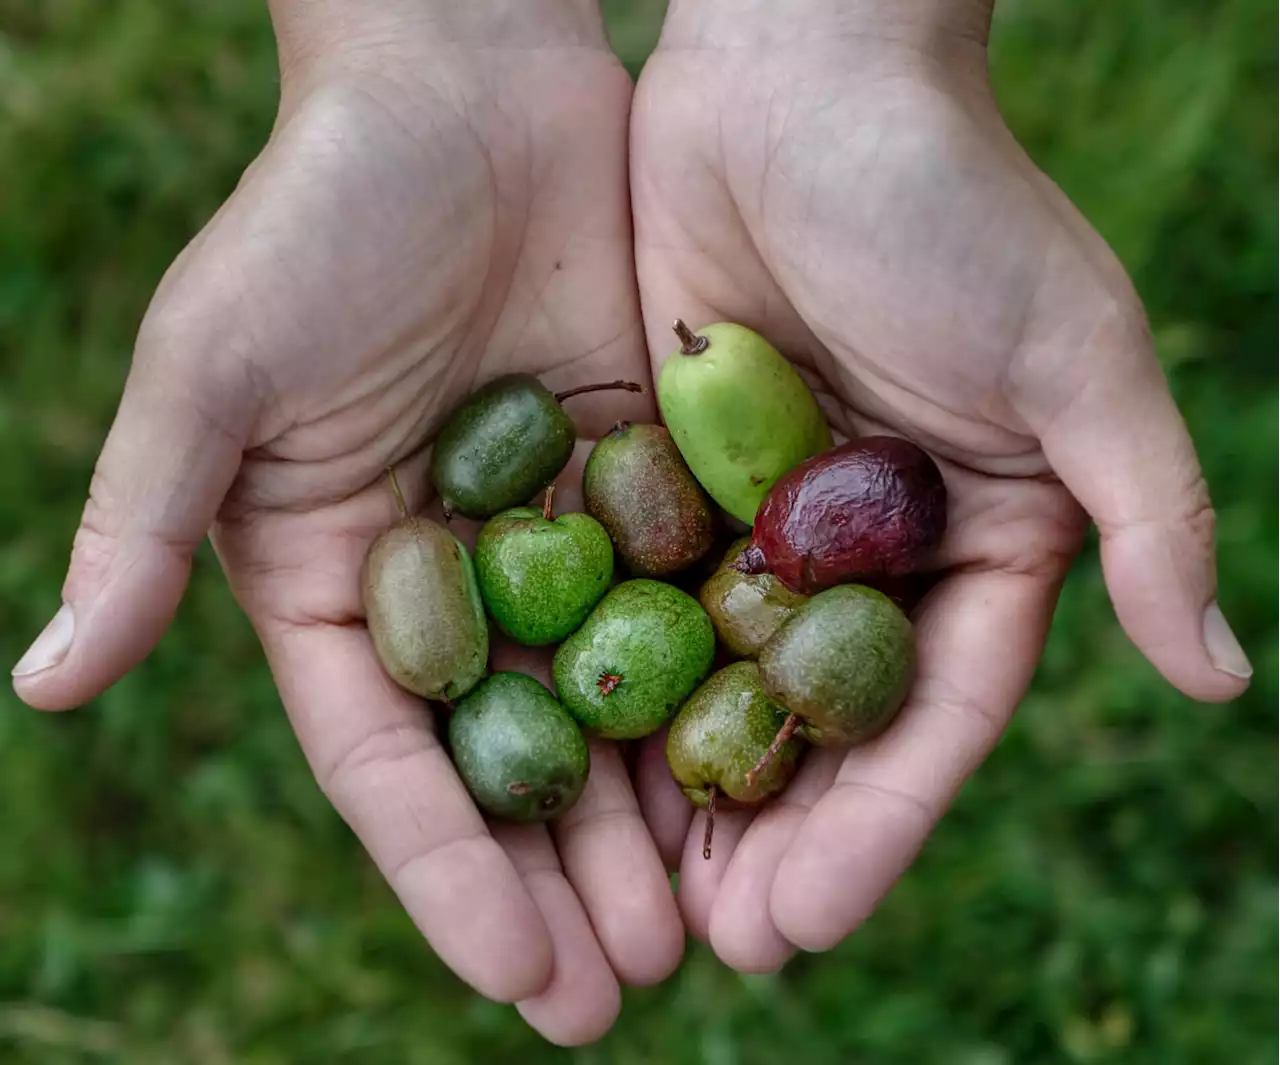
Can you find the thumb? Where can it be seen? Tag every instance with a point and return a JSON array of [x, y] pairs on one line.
[[1119, 444], [167, 464]]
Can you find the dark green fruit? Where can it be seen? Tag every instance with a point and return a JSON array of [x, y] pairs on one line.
[[721, 732], [423, 609], [517, 749], [504, 444], [642, 650], [638, 487], [842, 665], [746, 608], [540, 576]]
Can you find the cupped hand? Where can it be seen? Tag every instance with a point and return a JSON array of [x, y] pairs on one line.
[[844, 184], [440, 202]]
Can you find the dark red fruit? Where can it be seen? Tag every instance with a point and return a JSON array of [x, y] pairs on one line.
[[868, 511]]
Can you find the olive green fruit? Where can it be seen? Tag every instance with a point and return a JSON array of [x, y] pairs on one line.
[[518, 751], [637, 486], [746, 608], [540, 576], [643, 648], [739, 413], [842, 665], [721, 732], [504, 444], [423, 609]]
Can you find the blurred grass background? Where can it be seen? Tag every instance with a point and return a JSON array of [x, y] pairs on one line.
[[173, 888]]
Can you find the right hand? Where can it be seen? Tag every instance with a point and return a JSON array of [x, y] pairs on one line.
[[441, 201]]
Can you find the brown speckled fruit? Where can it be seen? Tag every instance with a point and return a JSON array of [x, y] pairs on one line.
[[637, 486]]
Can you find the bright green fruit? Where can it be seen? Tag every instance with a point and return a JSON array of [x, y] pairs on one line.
[[640, 652], [518, 751], [739, 413], [540, 577]]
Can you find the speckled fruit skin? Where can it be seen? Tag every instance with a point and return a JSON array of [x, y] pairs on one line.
[[843, 663], [740, 415], [637, 486], [746, 608], [423, 609], [518, 751], [500, 447], [865, 511], [638, 655], [539, 578], [720, 733]]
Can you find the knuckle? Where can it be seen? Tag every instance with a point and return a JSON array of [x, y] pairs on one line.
[[373, 754]]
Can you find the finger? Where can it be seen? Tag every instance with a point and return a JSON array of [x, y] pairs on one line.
[[1121, 447], [168, 461], [700, 876], [662, 804], [742, 931], [582, 1000], [979, 636], [612, 862], [375, 753]]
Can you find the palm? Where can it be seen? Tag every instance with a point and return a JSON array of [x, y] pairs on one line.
[[399, 241], [860, 236]]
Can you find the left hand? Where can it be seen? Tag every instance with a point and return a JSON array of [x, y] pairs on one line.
[[843, 183]]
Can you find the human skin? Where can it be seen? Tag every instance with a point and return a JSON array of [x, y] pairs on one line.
[[842, 181], [443, 199]]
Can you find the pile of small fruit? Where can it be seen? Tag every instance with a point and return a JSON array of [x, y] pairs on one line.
[[804, 617]]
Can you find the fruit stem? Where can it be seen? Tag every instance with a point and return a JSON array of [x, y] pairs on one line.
[[690, 342], [395, 490], [711, 822], [750, 561], [605, 386], [547, 500], [779, 741]]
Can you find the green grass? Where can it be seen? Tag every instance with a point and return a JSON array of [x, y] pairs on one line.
[[173, 888]]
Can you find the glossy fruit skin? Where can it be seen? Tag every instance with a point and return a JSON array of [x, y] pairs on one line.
[[506, 442], [869, 510], [844, 663], [520, 754], [637, 486], [423, 609], [540, 578], [740, 415], [720, 733], [639, 654], [746, 608]]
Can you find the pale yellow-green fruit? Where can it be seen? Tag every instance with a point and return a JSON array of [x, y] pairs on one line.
[[739, 413]]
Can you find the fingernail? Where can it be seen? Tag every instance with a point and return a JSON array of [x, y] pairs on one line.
[[1224, 649], [51, 646]]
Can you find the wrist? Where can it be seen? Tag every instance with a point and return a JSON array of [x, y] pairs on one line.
[[308, 31], [930, 26]]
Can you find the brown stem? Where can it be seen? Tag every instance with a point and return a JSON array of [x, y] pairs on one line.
[[547, 500], [619, 427], [779, 741], [711, 822], [625, 386], [690, 342], [395, 490]]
